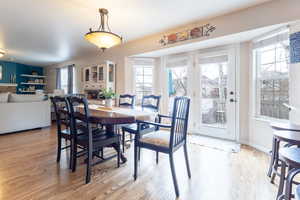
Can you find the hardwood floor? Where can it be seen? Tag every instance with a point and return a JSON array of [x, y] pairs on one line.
[[28, 170]]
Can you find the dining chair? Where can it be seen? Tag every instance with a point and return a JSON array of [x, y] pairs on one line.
[[92, 140], [61, 110], [127, 100], [149, 102], [166, 141]]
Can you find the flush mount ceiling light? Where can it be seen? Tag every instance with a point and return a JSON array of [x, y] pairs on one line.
[[2, 53], [103, 38]]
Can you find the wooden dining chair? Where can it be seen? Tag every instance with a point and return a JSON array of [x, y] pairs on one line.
[[149, 102], [127, 100], [61, 109], [166, 141], [92, 140]]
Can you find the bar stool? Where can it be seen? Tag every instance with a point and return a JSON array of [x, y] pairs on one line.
[[290, 157], [275, 142], [297, 193], [291, 138]]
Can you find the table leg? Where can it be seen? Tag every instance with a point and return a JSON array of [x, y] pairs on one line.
[[110, 130]]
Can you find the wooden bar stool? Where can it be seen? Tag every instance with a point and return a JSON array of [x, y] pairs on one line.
[[290, 157], [291, 138], [275, 142]]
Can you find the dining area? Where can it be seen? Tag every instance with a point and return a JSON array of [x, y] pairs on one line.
[[86, 130]]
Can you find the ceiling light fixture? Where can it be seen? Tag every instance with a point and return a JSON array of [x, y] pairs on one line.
[[2, 53], [103, 38]]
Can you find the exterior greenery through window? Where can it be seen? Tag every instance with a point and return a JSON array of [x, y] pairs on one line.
[[272, 80], [143, 81]]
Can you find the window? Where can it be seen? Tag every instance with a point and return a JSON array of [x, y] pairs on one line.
[[272, 78], [177, 84], [64, 79], [143, 81]]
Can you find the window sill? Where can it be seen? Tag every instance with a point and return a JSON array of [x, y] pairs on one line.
[[269, 119]]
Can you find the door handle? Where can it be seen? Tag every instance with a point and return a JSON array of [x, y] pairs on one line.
[[232, 100]]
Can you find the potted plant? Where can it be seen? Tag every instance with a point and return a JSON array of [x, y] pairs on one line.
[[108, 96]]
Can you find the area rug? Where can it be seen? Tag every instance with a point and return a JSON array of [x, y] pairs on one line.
[[214, 143]]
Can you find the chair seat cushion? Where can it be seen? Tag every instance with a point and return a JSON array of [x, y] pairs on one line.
[[158, 138]]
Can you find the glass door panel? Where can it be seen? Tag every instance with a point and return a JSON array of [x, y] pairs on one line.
[[214, 94], [177, 84]]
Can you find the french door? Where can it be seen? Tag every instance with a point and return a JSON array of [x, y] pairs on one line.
[[215, 94], [209, 79]]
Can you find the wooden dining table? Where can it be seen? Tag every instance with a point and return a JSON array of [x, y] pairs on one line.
[[111, 117]]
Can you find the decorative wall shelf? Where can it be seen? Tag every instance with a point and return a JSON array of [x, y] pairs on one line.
[[8, 84], [24, 91], [33, 83], [32, 76]]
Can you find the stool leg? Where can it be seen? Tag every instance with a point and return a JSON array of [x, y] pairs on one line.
[[272, 158], [282, 178], [276, 160], [289, 183]]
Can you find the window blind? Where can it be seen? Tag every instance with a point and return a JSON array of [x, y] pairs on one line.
[[213, 59]]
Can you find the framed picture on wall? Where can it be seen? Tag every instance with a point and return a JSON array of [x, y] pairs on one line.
[[1, 68]]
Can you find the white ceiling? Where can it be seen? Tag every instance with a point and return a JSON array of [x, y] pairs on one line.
[[44, 32]]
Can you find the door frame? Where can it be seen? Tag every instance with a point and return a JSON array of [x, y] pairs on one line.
[[233, 51]]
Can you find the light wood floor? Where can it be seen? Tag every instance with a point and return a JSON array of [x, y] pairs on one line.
[[28, 170]]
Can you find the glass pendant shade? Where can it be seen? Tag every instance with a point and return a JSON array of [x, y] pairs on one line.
[[102, 38], [2, 53]]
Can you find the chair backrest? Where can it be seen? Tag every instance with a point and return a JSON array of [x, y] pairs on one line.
[[180, 117], [151, 102], [79, 114], [62, 111], [127, 100]]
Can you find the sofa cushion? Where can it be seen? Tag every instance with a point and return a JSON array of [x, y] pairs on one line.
[[14, 98], [4, 97]]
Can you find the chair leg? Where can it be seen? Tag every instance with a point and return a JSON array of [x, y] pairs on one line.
[[187, 160], [276, 160], [102, 154], [123, 140], [157, 158], [119, 154], [74, 158], [281, 182], [58, 149], [174, 174], [89, 164], [135, 161], [71, 154], [139, 151], [272, 157]]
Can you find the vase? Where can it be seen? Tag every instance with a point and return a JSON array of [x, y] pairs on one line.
[[108, 103]]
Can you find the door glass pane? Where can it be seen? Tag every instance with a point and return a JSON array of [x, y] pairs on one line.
[[214, 94], [177, 84]]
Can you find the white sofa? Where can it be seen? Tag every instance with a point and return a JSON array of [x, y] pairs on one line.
[[23, 112]]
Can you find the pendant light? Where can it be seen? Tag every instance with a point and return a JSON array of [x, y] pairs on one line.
[[2, 53], [103, 38]]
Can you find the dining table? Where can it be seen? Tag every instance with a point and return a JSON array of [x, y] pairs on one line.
[[110, 118]]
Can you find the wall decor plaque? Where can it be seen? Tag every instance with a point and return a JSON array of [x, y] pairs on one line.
[[197, 32]]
